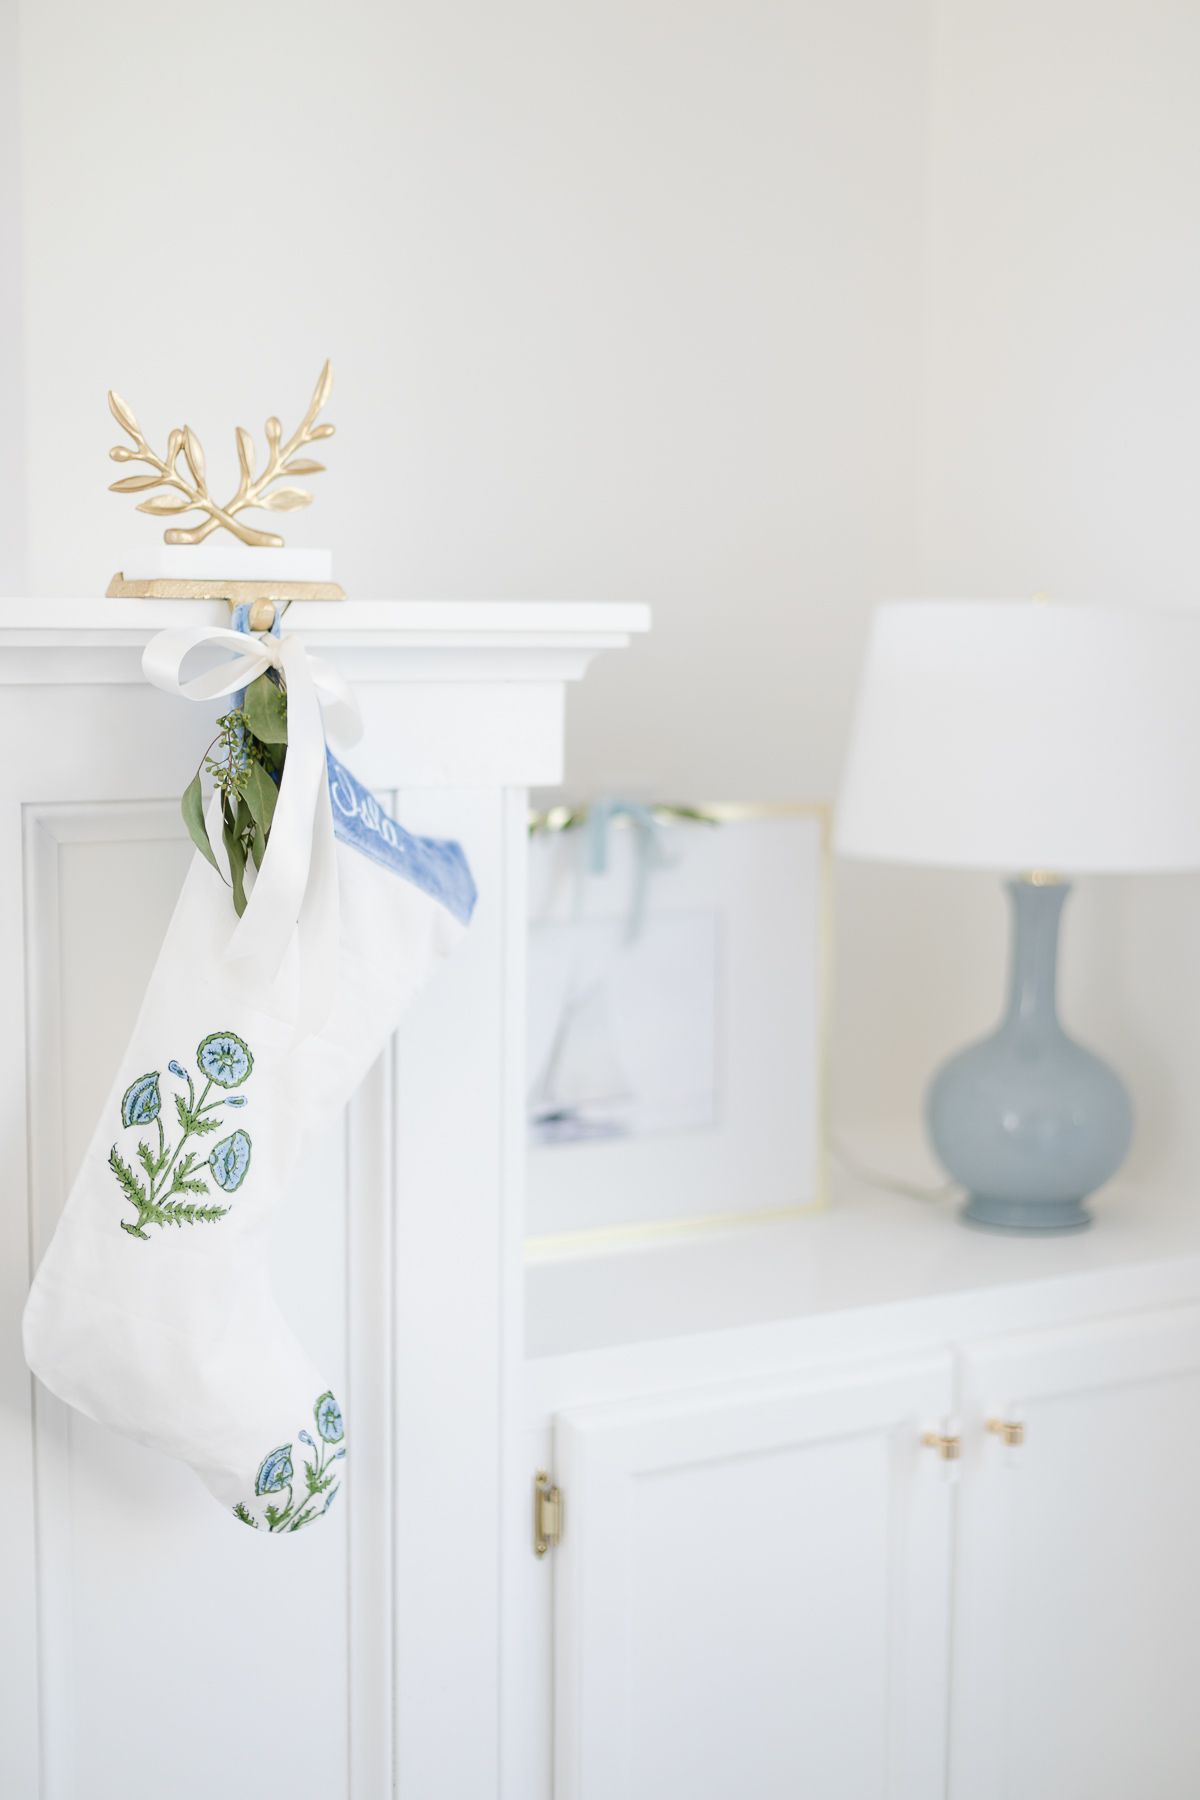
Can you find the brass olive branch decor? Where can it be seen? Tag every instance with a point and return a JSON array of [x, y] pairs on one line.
[[191, 482]]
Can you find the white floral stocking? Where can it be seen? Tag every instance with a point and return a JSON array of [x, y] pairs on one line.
[[152, 1311]]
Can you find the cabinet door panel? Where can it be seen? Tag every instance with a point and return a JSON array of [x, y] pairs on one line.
[[1078, 1572], [159, 1623], [751, 1595]]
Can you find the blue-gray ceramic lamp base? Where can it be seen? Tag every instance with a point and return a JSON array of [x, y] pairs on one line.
[[1028, 1120]]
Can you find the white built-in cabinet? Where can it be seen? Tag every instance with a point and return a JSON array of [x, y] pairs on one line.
[[753, 1592], [771, 1580], [973, 1573], [1077, 1565]]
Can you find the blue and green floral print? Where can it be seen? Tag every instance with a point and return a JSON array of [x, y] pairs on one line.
[[229, 1161], [142, 1102], [276, 1474], [168, 1190], [224, 1059]]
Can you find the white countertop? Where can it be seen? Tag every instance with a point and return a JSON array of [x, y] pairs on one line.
[[812, 1278]]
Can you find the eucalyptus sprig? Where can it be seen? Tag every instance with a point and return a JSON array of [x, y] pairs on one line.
[[245, 764], [191, 481]]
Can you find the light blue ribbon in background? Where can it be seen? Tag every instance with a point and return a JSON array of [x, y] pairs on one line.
[[649, 852]]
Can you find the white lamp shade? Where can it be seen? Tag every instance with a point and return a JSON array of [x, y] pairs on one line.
[[1011, 735]]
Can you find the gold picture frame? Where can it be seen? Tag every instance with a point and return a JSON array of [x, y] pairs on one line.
[[545, 1246]]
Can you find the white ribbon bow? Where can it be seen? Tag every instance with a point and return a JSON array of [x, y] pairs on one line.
[[296, 890]]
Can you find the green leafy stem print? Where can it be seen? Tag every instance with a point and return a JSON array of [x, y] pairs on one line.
[[276, 1478], [172, 1186]]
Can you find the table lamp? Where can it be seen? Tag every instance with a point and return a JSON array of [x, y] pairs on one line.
[[1042, 741]]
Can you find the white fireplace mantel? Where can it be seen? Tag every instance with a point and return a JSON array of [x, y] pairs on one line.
[[484, 680], [400, 1262], [523, 637]]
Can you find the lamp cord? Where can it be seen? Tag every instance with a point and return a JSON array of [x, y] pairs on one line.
[[891, 1184]]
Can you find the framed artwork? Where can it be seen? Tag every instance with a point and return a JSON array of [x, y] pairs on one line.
[[677, 995]]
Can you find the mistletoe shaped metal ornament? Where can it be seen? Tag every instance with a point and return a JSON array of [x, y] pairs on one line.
[[171, 490], [172, 1188]]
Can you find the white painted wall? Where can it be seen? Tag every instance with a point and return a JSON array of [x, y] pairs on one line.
[[13, 508], [622, 297], [1060, 453], [757, 311]]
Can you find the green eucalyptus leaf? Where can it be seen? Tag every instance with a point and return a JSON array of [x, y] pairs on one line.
[[236, 852], [265, 707], [273, 755], [192, 808], [261, 796]]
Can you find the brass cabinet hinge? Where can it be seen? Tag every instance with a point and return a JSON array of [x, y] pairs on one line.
[[547, 1514]]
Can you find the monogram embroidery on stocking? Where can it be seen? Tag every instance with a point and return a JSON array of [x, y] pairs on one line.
[[168, 1190], [277, 1476]]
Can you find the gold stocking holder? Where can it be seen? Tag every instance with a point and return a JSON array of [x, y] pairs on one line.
[[260, 596], [170, 487]]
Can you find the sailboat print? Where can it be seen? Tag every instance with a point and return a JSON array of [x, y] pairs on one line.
[[582, 1080]]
